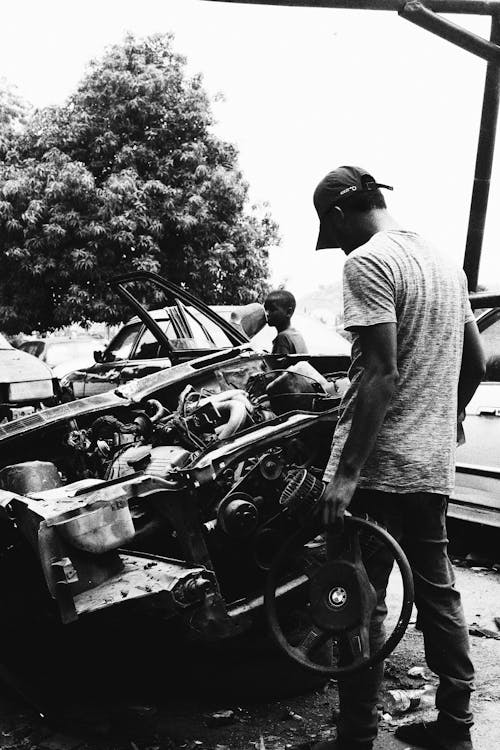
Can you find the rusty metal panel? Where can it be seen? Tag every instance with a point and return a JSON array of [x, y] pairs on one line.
[[143, 577]]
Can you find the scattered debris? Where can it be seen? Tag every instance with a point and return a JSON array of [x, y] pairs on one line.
[[220, 718], [404, 701], [288, 714], [476, 559], [416, 672], [483, 632]]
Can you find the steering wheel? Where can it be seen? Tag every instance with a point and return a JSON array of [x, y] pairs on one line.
[[340, 598]]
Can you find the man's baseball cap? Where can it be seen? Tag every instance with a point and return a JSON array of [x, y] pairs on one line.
[[335, 189]]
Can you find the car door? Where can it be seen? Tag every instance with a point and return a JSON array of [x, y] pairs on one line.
[[148, 354], [194, 329], [477, 490], [107, 374], [482, 424]]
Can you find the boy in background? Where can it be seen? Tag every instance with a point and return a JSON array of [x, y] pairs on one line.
[[280, 306]]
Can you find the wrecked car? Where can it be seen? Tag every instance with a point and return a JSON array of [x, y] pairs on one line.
[[26, 384], [174, 491]]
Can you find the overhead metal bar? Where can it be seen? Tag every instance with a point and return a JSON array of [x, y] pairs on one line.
[[426, 17], [420, 15], [470, 7]]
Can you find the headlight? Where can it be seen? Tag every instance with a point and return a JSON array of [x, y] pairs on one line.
[[35, 390]]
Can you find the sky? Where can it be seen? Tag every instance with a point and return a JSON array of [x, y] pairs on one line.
[[305, 90]]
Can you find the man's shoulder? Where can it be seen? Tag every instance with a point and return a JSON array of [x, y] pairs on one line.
[[386, 251]]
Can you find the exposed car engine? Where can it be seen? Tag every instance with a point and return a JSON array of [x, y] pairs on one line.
[[217, 481]]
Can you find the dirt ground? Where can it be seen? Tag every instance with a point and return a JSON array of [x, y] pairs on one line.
[[126, 717]]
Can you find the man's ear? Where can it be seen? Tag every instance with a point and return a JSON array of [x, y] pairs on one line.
[[338, 216]]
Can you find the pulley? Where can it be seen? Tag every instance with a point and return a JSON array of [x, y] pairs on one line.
[[237, 515]]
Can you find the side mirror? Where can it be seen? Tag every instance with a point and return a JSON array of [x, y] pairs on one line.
[[98, 356]]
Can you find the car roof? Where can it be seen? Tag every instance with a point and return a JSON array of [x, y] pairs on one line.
[[4, 344], [155, 314], [57, 339]]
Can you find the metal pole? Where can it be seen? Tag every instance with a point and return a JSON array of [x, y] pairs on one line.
[[471, 7], [484, 162], [418, 14]]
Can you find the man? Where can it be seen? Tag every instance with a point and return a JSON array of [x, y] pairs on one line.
[[416, 362]]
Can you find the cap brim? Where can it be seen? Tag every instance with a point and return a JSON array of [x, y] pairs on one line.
[[326, 238]]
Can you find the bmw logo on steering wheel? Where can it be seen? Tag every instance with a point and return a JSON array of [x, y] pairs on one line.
[[337, 597]]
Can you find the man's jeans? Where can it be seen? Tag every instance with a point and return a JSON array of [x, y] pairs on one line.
[[418, 522]]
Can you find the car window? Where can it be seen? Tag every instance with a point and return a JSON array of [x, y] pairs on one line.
[[491, 343], [121, 346], [191, 328], [59, 352], [186, 328], [148, 347], [206, 333], [35, 348]]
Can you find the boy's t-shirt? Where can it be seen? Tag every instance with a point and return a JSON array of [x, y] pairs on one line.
[[289, 342]]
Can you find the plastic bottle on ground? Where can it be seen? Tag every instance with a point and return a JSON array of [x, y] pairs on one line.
[[404, 701]]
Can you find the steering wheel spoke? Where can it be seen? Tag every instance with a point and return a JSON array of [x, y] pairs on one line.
[[354, 645], [310, 561], [315, 638]]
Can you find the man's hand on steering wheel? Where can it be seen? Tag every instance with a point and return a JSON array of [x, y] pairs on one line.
[[336, 498]]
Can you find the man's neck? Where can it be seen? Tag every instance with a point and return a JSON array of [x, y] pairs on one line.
[[377, 220], [285, 327]]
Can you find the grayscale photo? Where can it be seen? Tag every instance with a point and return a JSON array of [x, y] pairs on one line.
[[249, 375]]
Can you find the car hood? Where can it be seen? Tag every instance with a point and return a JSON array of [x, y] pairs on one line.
[[19, 367], [71, 365], [133, 392]]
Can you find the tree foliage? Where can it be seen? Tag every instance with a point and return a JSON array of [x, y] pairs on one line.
[[128, 174], [14, 112]]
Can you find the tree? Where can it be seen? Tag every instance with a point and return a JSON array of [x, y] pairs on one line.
[[13, 115], [127, 175]]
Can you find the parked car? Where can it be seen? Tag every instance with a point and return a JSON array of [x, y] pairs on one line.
[[63, 354], [477, 492], [26, 383], [174, 327]]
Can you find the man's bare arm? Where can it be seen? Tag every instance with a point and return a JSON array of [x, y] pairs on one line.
[[473, 365], [376, 389]]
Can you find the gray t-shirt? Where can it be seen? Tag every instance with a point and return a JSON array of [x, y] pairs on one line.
[[289, 342], [398, 277]]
